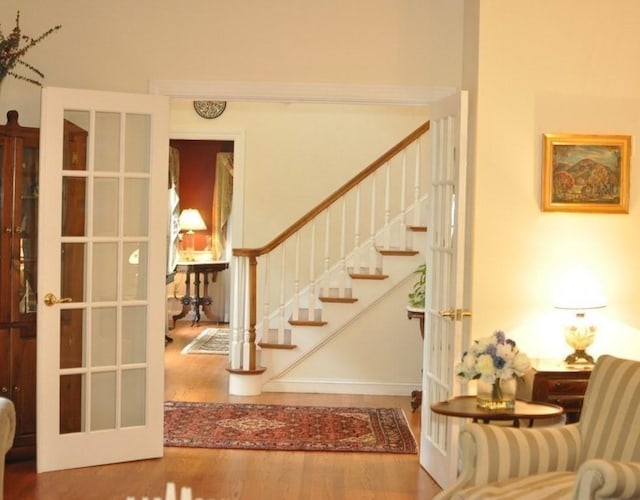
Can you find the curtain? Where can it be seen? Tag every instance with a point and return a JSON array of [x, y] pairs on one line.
[[174, 211], [221, 210]]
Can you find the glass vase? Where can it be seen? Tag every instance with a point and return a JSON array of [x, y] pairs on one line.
[[501, 395]]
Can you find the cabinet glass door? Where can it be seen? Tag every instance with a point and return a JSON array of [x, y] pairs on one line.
[[27, 234]]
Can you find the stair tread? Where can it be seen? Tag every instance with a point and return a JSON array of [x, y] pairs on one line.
[[339, 300], [417, 229], [397, 251], [306, 322], [268, 345], [367, 276]]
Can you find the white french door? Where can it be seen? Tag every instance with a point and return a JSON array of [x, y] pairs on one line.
[[102, 258], [446, 329]]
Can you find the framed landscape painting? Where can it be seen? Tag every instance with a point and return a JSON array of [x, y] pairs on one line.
[[586, 173]]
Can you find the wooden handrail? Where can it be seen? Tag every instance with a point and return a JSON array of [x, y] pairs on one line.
[[296, 226]]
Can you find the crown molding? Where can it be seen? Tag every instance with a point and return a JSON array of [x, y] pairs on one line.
[[243, 91]]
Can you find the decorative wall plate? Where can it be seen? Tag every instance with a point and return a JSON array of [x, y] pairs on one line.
[[209, 109]]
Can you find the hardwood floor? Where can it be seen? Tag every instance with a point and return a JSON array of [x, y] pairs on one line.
[[236, 474]]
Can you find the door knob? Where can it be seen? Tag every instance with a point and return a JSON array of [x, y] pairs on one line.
[[51, 300]]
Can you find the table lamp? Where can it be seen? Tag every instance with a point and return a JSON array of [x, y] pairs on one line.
[[190, 221], [579, 293]]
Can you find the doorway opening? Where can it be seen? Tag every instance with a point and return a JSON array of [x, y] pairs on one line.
[[201, 178]]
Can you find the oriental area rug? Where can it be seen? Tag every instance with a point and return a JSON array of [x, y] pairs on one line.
[[293, 428], [209, 341]]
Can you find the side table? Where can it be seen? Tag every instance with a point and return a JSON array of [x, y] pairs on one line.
[[466, 407], [555, 382], [201, 273], [413, 313]]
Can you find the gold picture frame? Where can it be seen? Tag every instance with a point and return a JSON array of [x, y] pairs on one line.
[[586, 173]]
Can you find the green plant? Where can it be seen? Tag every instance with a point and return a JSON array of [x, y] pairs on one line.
[[11, 52], [417, 294]]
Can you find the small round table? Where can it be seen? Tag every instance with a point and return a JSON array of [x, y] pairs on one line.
[[466, 407]]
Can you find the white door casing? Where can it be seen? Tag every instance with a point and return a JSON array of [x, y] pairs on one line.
[[102, 256], [446, 329]]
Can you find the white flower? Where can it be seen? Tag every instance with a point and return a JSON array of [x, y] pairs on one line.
[[521, 363], [490, 358]]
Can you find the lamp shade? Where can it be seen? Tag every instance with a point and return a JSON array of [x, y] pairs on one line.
[[578, 291], [191, 220]]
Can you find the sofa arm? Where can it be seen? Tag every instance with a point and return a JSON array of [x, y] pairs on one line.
[[491, 453], [7, 425], [599, 478]]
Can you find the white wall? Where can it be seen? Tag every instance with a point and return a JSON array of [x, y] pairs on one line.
[[549, 66]]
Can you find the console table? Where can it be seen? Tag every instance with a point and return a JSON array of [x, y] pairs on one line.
[[198, 272]]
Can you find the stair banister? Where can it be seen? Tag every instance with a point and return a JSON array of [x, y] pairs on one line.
[[247, 258]]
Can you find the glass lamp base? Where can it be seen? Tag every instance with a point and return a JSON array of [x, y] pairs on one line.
[[579, 357]]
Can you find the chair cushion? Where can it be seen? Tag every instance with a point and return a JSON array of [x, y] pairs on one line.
[[555, 485]]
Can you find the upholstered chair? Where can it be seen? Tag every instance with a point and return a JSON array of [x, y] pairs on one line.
[[595, 458], [7, 433]]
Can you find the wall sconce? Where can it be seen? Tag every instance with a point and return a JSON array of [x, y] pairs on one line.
[[190, 221], [579, 293]]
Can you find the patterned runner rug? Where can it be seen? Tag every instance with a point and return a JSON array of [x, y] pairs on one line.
[[294, 428], [209, 341]]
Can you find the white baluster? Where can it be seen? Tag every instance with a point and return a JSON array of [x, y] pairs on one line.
[[266, 304], [296, 279], [404, 234], [312, 272], [372, 227], [282, 319], [343, 256], [387, 208], [327, 254], [356, 234], [236, 326], [416, 188]]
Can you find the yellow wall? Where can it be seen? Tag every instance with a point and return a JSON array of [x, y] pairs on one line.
[[549, 66], [122, 45]]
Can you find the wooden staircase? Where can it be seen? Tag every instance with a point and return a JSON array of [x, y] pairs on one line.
[[294, 294]]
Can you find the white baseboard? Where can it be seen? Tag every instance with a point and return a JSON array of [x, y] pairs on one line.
[[324, 386]]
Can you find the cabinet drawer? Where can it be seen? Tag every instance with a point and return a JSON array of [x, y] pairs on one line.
[[566, 386], [567, 403]]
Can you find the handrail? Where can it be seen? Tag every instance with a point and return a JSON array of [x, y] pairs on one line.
[[255, 252]]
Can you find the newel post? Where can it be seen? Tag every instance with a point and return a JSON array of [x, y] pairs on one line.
[[245, 379]]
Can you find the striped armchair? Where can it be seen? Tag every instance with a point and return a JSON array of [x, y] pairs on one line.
[[7, 433], [598, 457]]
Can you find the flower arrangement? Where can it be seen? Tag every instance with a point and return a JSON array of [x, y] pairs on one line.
[[492, 359], [11, 51]]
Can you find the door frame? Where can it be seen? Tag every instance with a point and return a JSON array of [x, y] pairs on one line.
[[237, 202]]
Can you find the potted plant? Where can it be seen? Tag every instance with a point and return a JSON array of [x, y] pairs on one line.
[[417, 294]]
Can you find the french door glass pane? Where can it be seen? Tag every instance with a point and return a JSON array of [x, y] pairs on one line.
[[103, 336], [104, 272], [136, 199], [138, 133], [73, 209], [134, 342], [105, 207], [134, 383], [103, 401], [107, 142]]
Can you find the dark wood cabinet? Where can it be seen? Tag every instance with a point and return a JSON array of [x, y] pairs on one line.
[[19, 149], [554, 382]]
